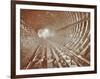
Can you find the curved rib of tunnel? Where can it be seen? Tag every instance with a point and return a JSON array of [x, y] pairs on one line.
[[54, 39]]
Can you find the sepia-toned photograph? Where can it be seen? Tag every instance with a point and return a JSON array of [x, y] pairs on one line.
[[54, 39]]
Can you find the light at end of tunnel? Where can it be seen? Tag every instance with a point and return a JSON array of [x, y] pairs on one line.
[[45, 33]]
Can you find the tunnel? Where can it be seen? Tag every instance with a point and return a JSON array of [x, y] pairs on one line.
[[54, 39]]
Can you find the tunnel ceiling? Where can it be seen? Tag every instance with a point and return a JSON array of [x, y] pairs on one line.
[[50, 19], [54, 39]]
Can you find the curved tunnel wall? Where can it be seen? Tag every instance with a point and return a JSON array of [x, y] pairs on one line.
[[68, 46]]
